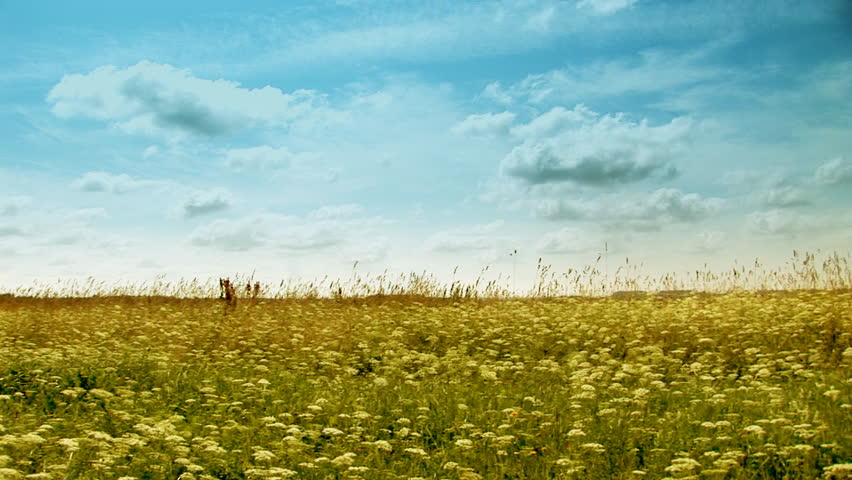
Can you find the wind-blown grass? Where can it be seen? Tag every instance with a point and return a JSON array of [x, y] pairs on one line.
[[741, 385]]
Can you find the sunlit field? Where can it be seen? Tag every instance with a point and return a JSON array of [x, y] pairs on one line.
[[450, 383]]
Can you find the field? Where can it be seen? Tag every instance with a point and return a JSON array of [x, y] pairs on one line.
[[696, 386]]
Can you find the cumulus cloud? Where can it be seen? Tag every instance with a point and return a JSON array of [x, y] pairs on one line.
[[205, 203], [476, 237], [110, 183], [605, 7], [663, 206], [13, 205], [784, 196], [155, 98], [262, 157], [672, 205], [589, 149], [485, 125], [834, 172], [552, 122]]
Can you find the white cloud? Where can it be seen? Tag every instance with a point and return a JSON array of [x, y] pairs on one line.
[[773, 222], [651, 71], [589, 149], [152, 98], [557, 120], [289, 233], [542, 20], [464, 30], [494, 92], [556, 208], [13, 205], [233, 235], [482, 237], [85, 216], [566, 240], [205, 203], [783, 196], [262, 157], [672, 205], [335, 211], [485, 125], [834, 172], [150, 151], [7, 230], [112, 183], [605, 7], [661, 207], [311, 236]]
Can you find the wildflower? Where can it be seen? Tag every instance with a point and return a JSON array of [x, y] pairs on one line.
[[464, 443], [487, 373], [832, 394], [264, 456], [71, 444], [383, 445], [682, 466], [101, 394], [417, 451], [595, 447], [837, 471], [346, 459]]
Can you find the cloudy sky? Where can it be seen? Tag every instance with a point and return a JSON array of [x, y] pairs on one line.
[[196, 139]]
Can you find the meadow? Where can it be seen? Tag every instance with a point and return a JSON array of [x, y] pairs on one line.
[[453, 383]]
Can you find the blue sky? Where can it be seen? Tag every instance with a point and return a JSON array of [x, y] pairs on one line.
[[197, 139]]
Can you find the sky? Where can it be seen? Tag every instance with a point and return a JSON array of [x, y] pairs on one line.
[[294, 139]]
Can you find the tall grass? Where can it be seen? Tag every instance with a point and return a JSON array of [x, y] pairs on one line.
[[383, 384], [803, 271]]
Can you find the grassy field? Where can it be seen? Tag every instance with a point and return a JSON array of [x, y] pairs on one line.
[[741, 385]]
